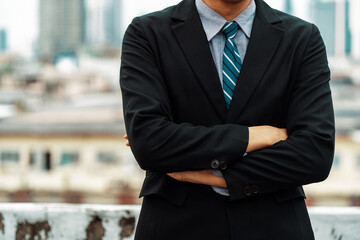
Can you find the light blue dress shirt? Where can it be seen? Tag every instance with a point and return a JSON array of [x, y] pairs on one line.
[[212, 23]]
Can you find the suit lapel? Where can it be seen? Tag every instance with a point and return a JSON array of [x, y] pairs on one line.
[[262, 46], [187, 25]]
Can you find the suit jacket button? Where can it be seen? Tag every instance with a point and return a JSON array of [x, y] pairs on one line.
[[255, 189], [223, 165], [215, 164], [247, 191]]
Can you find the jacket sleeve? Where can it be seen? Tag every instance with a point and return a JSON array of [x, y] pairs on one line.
[[158, 143], [306, 156]]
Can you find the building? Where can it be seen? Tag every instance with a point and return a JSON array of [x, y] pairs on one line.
[[342, 187], [61, 27], [338, 22], [95, 24], [3, 40], [289, 6], [355, 28], [323, 14], [103, 24], [113, 23], [69, 152]]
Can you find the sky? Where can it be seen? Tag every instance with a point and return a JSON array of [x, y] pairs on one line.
[[21, 20]]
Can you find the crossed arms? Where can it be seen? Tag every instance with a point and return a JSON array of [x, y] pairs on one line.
[[259, 137]]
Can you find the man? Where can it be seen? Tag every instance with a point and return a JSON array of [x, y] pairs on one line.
[[228, 109]]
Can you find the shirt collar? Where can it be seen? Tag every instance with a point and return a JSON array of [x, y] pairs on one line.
[[212, 22]]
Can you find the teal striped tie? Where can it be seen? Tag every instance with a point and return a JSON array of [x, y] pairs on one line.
[[231, 61]]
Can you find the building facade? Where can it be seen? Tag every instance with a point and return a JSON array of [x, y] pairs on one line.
[[338, 23], [342, 187], [70, 153], [103, 24], [61, 27]]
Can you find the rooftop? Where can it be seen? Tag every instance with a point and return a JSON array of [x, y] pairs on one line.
[[90, 114]]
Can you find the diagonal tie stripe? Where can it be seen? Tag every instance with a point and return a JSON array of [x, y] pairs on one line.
[[231, 61], [229, 27], [231, 73], [235, 54], [228, 60]]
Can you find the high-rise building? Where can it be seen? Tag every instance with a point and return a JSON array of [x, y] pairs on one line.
[[3, 40], [354, 26], [333, 17], [94, 27], [348, 38], [113, 23], [61, 27], [289, 6], [323, 14], [103, 26]]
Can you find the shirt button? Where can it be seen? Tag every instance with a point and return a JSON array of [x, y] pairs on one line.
[[215, 164]]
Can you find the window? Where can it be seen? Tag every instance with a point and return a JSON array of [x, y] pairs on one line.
[[9, 156], [40, 160], [47, 162], [107, 157], [32, 158], [69, 158]]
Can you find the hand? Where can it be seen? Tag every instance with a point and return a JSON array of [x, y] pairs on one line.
[[205, 177], [264, 136], [127, 143]]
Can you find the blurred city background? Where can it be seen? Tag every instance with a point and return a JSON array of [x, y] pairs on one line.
[[61, 122]]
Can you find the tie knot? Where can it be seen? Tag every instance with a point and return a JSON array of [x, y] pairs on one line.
[[230, 29]]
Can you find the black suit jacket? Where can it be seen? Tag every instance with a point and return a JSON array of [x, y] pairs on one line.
[[176, 116]]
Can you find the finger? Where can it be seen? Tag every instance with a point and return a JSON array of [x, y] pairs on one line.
[[176, 175], [172, 175], [128, 144], [125, 136]]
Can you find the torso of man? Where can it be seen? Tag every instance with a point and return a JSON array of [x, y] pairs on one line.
[[180, 128]]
